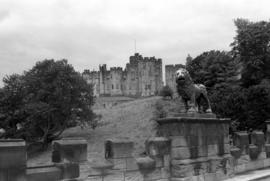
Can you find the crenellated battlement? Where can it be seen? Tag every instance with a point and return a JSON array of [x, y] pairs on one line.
[[116, 69], [131, 82]]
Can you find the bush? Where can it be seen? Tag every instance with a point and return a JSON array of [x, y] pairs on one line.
[[249, 108], [40, 104], [166, 91]]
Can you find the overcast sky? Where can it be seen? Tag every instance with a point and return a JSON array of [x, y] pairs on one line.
[[93, 32]]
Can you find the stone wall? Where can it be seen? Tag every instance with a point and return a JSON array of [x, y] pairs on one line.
[[186, 149], [142, 76], [170, 76], [13, 162]]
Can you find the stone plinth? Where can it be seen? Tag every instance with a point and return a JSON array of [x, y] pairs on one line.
[[13, 158], [241, 140], [71, 149], [158, 146], [118, 148], [199, 145], [12, 154], [46, 173]]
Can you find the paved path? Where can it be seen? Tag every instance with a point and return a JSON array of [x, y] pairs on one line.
[[252, 176]]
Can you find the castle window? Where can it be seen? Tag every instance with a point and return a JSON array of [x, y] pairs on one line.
[[112, 86]]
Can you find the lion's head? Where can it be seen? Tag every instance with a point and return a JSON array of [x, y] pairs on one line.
[[182, 76]]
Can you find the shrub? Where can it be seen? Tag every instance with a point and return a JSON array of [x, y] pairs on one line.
[[166, 91]]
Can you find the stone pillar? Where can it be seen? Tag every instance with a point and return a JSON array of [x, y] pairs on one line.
[[119, 162], [257, 138], [71, 149], [267, 143], [241, 141], [199, 147], [267, 131], [13, 158]]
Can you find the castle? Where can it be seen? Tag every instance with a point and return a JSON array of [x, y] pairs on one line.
[[142, 76], [170, 76]]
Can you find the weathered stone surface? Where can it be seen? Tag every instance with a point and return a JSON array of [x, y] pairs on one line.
[[153, 175], [189, 141], [200, 151], [257, 138], [101, 167], [253, 152], [235, 152], [243, 159], [69, 170], [267, 150], [266, 162], [56, 156], [12, 154], [118, 163], [159, 161], [131, 164], [192, 178], [211, 177], [94, 178], [241, 140], [13, 174], [139, 73], [268, 131], [165, 172], [179, 126], [51, 173], [240, 168], [116, 148], [254, 165], [145, 163], [117, 176], [158, 146], [181, 171], [72, 149], [133, 176], [167, 160]]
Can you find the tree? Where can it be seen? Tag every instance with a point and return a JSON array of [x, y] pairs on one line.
[[251, 45], [42, 102], [213, 68]]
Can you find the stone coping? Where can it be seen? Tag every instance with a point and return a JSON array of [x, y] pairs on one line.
[[70, 141], [193, 115], [192, 120], [11, 140], [12, 143], [199, 160], [119, 140]]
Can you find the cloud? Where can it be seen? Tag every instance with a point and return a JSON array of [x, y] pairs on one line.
[[89, 33]]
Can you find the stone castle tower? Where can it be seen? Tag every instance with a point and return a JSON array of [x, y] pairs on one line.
[[170, 76], [142, 76]]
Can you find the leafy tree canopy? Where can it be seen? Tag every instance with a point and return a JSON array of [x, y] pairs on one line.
[[42, 102], [251, 45], [212, 68]]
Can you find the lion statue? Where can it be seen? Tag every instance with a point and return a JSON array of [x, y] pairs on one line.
[[195, 93]]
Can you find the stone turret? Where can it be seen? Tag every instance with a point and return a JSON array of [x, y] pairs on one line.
[[142, 76], [170, 76]]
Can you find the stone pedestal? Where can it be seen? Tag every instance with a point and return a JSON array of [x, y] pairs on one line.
[[71, 149], [199, 145], [12, 160]]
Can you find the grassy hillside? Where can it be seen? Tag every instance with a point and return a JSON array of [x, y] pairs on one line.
[[131, 120]]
